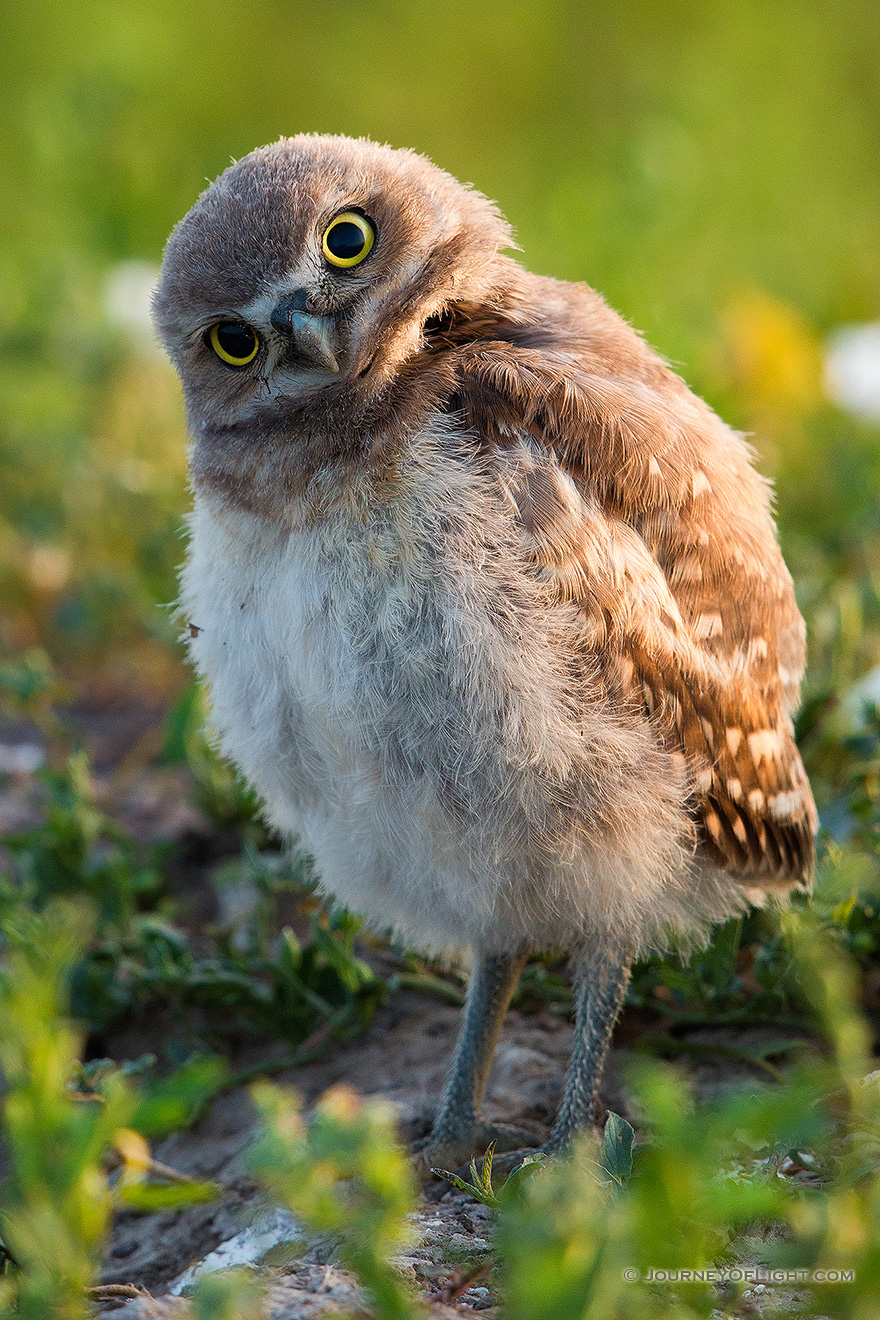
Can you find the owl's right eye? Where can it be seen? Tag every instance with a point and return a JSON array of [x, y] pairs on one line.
[[234, 343], [348, 240]]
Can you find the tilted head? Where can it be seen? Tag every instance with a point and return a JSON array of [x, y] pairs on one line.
[[302, 279]]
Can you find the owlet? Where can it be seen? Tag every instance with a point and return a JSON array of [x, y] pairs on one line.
[[490, 606]]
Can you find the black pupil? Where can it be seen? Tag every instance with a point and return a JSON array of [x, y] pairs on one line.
[[346, 240], [236, 340]]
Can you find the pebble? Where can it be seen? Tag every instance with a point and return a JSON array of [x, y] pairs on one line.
[[462, 1242]]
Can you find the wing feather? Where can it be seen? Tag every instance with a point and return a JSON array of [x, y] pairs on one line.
[[644, 511]]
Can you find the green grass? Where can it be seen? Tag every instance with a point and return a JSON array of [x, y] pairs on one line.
[[257, 981]]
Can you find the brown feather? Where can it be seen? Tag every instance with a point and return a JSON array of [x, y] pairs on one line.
[[645, 510]]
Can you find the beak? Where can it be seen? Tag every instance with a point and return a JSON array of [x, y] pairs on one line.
[[313, 336]]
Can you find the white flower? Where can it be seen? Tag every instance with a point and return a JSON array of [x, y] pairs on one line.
[[128, 296], [852, 369]]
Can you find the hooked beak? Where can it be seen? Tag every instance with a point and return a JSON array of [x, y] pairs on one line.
[[314, 337]]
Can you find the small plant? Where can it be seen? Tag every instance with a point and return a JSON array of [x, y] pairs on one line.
[[577, 1238], [344, 1175], [77, 851], [256, 979], [61, 1142], [480, 1186], [29, 689], [75, 1156], [217, 789], [56, 1205], [616, 1150]]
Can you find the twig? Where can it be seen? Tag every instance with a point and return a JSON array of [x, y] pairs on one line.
[[167, 1174], [114, 1161], [660, 1043], [118, 1292], [453, 1291], [310, 1048]]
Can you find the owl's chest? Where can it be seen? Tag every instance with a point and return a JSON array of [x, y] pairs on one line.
[[313, 643]]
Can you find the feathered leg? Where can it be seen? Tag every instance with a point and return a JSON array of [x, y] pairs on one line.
[[458, 1131], [600, 983]]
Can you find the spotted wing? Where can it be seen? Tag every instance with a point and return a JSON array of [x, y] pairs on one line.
[[644, 511]]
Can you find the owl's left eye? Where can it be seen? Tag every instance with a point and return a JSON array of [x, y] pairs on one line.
[[348, 240], [234, 343]]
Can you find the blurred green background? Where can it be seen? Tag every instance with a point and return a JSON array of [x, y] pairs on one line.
[[713, 169]]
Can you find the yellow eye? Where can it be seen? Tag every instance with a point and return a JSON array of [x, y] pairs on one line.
[[235, 343], [348, 239]]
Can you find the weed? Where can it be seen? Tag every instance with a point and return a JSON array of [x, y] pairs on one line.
[[57, 1200], [711, 1190], [342, 1174]]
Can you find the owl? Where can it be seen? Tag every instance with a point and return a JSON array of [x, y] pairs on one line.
[[490, 605]]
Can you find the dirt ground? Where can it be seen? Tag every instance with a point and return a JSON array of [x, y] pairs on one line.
[[402, 1058]]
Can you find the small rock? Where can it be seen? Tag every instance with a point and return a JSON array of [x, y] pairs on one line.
[[463, 1242], [271, 1229]]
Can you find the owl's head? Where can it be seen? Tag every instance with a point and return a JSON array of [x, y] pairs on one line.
[[309, 269]]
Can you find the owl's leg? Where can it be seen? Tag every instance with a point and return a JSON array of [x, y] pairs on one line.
[[458, 1131], [600, 983]]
